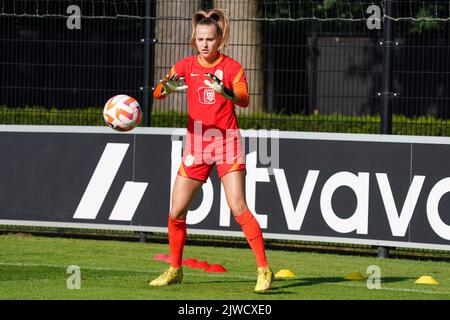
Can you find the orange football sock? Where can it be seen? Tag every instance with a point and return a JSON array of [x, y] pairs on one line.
[[177, 238], [253, 234]]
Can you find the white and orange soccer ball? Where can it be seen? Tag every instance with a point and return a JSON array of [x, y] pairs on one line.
[[122, 113]]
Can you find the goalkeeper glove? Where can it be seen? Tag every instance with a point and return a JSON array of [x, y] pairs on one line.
[[172, 84], [218, 86]]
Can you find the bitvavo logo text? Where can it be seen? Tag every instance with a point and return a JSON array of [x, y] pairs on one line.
[[294, 212]]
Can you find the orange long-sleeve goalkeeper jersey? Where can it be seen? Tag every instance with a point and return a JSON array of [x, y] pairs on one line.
[[204, 104]]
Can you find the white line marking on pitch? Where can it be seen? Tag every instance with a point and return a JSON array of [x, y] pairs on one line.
[[393, 289]]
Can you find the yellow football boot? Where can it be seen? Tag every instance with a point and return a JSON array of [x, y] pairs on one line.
[[168, 277], [265, 276]]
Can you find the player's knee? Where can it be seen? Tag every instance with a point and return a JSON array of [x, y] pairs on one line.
[[178, 214], [238, 208]]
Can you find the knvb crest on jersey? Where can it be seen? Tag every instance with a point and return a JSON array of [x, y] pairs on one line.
[[206, 95]]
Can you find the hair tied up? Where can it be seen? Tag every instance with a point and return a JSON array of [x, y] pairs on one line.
[[198, 16], [216, 17]]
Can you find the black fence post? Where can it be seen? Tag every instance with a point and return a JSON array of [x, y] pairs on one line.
[[142, 237], [388, 44], [387, 93], [148, 62]]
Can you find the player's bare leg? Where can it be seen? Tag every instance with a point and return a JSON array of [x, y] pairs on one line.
[[234, 185], [183, 193]]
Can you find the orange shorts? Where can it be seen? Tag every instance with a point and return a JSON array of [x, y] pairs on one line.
[[201, 154]]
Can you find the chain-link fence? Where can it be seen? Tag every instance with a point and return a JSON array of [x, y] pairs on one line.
[[335, 65]]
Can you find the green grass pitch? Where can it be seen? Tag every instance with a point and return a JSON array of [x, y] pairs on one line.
[[36, 268]]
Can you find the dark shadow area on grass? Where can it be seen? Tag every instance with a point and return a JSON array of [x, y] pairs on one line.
[[396, 279], [218, 281], [280, 286], [303, 282]]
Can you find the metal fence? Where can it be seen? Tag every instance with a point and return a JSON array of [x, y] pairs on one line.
[[337, 66]]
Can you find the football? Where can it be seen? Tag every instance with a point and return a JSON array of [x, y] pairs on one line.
[[122, 113]]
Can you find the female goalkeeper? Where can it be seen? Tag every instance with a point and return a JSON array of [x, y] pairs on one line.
[[214, 83]]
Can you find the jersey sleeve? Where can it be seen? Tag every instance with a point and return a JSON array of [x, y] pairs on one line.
[[179, 69], [239, 85]]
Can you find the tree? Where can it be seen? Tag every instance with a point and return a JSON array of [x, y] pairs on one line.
[[172, 33]]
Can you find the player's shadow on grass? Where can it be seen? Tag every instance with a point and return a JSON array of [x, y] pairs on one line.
[[304, 282], [395, 279], [279, 286], [220, 281]]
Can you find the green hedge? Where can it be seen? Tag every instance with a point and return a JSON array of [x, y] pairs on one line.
[[43, 116], [423, 126]]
